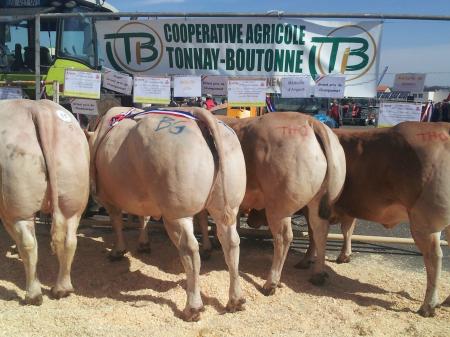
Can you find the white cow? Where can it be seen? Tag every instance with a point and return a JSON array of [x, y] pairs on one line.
[[44, 166]]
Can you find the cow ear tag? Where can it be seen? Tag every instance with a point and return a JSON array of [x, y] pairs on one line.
[[64, 116]]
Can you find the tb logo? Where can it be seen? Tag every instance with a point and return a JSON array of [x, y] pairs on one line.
[[356, 54], [135, 47]]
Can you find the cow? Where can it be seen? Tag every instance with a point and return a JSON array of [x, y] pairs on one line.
[[395, 175], [44, 166], [172, 166], [292, 161]]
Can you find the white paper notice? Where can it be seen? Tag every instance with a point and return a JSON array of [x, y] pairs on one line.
[[82, 84], [187, 86], [247, 92], [10, 92], [410, 82], [331, 86], [214, 85], [393, 113], [155, 90], [296, 87], [84, 106], [118, 82]]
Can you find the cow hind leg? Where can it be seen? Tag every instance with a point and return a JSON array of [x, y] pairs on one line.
[[143, 241], [201, 220], [181, 232], [281, 229], [310, 254], [229, 239], [24, 235], [319, 228], [64, 244], [347, 227], [119, 249], [429, 246]]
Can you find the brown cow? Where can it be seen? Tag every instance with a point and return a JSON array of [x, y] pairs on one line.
[[292, 161], [164, 165], [44, 166], [395, 175]]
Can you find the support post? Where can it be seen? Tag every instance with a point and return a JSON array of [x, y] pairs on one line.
[[37, 56], [56, 92]]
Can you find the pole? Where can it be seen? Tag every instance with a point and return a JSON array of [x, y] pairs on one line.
[[37, 56], [281, 15], [56, 92]]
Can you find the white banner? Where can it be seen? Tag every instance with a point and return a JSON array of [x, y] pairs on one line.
[[118, 82], [296, 87], [247, 93], [148, 89], [331, 86], [260, 47], [82, 84], [409, 82], [187, 86], [84, 106], [214, 85], [393, 113]]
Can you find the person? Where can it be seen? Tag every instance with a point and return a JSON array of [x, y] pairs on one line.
[[224, 100], [334, 112], [445, 107], [209, 102], [436, 113], [356, 111]]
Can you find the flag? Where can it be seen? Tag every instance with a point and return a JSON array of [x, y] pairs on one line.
[[269, 104]]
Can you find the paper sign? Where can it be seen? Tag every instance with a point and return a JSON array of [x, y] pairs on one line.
[[10, 92], [295, 87], [331, 86], [393, 113], [82, 84], [409, 82], [84, 106], [247, 92], [214, 85], [154, 90], [118, 82], [187, 86]]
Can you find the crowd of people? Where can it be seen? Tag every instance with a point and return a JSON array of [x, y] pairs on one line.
[[207, 102]]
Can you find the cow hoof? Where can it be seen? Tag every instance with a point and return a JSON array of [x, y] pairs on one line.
[[205, 254], [116, 255], [304, 264], [446, 303], [58, 294], [319, 279], [343, 259], [426, 311], [269, 289], [236, 305], [144, 248], [37, 301], [192, 314]]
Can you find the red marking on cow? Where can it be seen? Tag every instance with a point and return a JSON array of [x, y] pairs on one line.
[[433, 136], [294, 130]]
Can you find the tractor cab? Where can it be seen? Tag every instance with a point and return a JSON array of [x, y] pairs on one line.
[[64, 42]]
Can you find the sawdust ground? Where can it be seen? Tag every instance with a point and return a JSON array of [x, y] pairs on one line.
[[141, 295]]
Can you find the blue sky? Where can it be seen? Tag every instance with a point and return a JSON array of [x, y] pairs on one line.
[[407, 46]]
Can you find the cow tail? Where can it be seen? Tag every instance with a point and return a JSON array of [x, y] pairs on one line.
[[212, 124], [331, 175], [45, 123]]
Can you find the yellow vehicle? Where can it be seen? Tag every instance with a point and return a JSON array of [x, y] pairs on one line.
[[241, 112], [236, 112], [64, 42]]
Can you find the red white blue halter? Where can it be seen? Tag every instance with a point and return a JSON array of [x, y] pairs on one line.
[[131, 115]]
